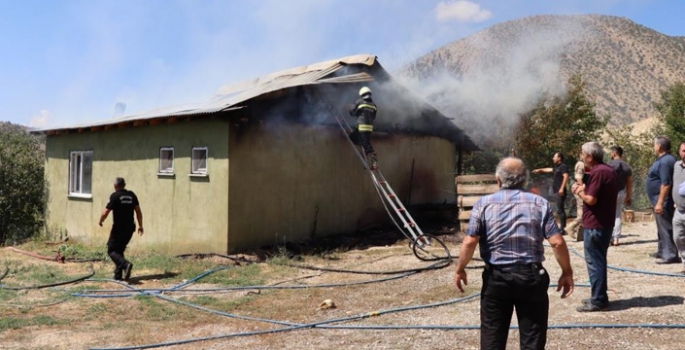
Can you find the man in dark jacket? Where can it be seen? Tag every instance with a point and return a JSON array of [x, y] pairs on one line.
[[365, 111], [123, 203]]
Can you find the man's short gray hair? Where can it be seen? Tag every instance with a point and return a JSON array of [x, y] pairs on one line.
[[119, 181], [663, 142], [594, 150], [511, 172]]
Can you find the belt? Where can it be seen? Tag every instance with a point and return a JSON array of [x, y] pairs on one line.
[[515, 267]]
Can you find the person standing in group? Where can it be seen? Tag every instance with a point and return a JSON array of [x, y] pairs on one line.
[[123, 203], [510, 226], [575, 228], [560, 171], [659, 183], [599, 205], [679, 199], [625, 189]]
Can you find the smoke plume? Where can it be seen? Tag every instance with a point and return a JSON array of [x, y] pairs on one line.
[[486, 81]]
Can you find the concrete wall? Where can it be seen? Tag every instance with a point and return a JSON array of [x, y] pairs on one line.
[[181, 213], [292, 182]]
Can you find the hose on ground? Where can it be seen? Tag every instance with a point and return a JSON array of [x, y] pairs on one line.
[[425, 236], [206, 255], [436, 266], [126, 293], [48, 258], [79, 279], [626, 269]]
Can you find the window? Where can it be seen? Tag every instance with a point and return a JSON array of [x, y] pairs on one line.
[[80, 173], [199, 161], [166, 160]]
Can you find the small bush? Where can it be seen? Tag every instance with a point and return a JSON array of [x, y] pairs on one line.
[[22, 189]]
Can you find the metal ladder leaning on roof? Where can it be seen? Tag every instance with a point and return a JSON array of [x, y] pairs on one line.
[[409, 228]]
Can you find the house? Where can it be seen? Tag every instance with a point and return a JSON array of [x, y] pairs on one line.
[[262, 162]]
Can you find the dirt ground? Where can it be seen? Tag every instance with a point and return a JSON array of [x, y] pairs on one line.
[[54, 319]]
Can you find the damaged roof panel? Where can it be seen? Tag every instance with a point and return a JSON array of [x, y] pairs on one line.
[[232, 97]]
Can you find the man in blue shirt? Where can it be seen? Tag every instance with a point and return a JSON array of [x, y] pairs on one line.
[[659, 182], [510, 226]]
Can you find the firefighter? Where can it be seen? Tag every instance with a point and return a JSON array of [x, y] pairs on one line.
[[365, 111]]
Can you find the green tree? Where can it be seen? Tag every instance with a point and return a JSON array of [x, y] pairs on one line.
[[672, 111], [22, 184], [558, 124]]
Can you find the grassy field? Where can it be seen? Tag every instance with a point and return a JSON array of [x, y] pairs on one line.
[[55, 318]]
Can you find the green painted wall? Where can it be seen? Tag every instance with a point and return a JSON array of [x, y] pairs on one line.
[[181, 213], [292, 182]]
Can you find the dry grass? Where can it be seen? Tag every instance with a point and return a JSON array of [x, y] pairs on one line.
[[79, 323]]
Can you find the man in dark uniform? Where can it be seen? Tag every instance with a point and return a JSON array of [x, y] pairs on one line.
[[123, 203], [560, 171], [365, 111]]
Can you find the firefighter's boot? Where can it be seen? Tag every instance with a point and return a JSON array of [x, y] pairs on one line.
[[372, 160]]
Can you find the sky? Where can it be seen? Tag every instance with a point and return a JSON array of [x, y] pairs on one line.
[[70, 61]]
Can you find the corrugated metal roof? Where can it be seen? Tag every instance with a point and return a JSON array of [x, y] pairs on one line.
[[231, 95]]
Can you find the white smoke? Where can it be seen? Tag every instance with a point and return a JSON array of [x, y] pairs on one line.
[[42, 120], [508, 78]]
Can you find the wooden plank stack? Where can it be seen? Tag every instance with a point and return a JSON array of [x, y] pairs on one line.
[[470, 188]]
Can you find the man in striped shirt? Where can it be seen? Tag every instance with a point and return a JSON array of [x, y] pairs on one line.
[[510, 226]]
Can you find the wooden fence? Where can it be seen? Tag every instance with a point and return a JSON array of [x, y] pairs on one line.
[[470, 188]]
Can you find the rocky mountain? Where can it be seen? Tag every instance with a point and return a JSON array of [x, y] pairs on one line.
[[502, 70]]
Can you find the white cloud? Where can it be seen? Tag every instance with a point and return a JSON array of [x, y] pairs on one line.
[[41, 121], [461, 11]]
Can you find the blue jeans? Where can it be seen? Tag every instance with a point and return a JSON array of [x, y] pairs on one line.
[[596, 242]]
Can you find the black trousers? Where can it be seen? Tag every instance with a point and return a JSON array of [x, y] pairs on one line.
[[560, 203], [116, 245], [523, 287], [362, 138]]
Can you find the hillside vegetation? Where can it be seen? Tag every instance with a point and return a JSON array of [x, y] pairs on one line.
[[625, 65]]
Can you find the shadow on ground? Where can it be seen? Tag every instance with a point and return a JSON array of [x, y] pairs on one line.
[[648, 302], [159, 276], [644, 241], [362, 240]]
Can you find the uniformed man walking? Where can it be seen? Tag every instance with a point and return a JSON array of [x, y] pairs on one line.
[[123, 203]]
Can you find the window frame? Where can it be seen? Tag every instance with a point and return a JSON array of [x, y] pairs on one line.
[[200, 171], [166, 172], [73, 155]]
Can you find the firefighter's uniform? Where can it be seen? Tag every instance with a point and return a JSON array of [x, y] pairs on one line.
[[365, 111]]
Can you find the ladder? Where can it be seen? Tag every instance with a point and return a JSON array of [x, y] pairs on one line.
[[406, 223]]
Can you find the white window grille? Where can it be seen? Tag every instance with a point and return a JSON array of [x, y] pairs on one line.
[[166, 160], [199, 161], [80, 172]]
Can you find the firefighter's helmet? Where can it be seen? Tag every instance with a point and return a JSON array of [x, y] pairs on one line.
[[364, 91]]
